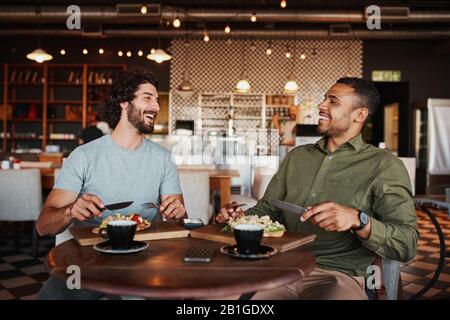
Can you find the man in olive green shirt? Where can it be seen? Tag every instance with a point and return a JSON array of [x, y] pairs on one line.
[[358, 197]]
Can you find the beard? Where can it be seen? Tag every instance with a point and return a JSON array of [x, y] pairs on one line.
[[137, 119], [335, 128]]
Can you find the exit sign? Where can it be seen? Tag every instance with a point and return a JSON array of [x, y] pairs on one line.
[[387, 75]]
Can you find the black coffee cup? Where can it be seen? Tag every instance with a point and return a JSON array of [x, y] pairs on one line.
[[120, 233], [248, 238]]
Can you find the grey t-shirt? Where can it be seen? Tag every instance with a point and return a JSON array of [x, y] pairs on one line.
[[115, 174]]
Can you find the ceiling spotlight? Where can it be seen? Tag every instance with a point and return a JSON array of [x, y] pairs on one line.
[[227, 29], [177, 22], [85, 51], [205, 37], [144, 9], [283, 3], [120, 53], [253, 17], [128, 53], [140, 53], [303, 56], [62, 52], [101, 51]]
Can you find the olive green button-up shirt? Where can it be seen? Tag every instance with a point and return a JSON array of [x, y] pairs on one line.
[[356, 175]]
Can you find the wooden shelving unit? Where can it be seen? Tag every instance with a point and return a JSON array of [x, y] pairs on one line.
[[64, 96]]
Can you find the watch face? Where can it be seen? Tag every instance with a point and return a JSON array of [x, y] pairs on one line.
[[364, 218]]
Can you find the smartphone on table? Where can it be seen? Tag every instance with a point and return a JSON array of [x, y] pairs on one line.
[[200, 253]]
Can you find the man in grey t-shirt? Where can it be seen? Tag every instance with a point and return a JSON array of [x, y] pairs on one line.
[[115, 168]]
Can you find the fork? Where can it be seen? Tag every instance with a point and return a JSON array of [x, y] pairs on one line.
[[150, 205]]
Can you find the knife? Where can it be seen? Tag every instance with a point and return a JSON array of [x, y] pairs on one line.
[[118, 205], [293, 208]]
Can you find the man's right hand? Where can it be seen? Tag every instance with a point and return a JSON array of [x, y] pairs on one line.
[[86, 207], [230, 210]]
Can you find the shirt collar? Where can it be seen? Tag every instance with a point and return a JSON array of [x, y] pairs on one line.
[[356, 143]]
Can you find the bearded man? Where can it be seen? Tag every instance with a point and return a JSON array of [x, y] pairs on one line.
[[117, 167]]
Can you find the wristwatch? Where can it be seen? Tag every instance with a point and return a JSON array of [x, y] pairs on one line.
[[363, 220]]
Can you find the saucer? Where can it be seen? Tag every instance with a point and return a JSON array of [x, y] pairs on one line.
[[264, 252], [136, 246]]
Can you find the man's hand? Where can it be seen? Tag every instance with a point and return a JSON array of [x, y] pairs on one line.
[[172, 207], [332, 216], [86, 207], [230, 210]]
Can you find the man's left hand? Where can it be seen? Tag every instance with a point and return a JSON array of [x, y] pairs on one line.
[[331, 216], [172, 207]]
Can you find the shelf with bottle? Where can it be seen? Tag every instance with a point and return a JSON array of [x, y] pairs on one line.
[[26, 75], [279, 100], [60, 91]]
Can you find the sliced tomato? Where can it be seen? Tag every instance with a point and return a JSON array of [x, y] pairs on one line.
[[136, 217]]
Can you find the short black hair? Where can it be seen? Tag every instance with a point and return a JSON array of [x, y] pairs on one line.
[[368, 94], [123, 90]]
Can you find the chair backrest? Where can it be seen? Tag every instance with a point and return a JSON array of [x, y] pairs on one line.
[[195, 187], [391, 274], [410, 164], [261, 180], [20, 195]]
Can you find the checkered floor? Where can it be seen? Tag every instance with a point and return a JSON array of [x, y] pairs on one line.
[[22, 275]]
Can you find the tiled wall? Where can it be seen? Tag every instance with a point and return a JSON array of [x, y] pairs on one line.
[[217, 65]]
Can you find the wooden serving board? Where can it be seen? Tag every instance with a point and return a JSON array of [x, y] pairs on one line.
[[158, 230], [288, 241]]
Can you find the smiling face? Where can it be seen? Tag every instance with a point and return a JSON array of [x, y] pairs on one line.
[[143, 109], [337, 112]]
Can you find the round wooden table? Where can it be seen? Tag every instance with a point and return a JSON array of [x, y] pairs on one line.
[[160, 272]]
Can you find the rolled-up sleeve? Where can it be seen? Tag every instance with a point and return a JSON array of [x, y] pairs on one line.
[[394, 231]]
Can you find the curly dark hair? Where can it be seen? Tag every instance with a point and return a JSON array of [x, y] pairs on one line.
[[365, 90], [123, 90]]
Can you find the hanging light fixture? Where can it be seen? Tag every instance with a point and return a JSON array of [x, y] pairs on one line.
[[288, 52], [253, 17], [269, 48], [283, 4], [186, 85], [176, 22], [227, 29], [144, 9], [291, 85], [243, 86], [159, 55], [205, 35], [39, 55]]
